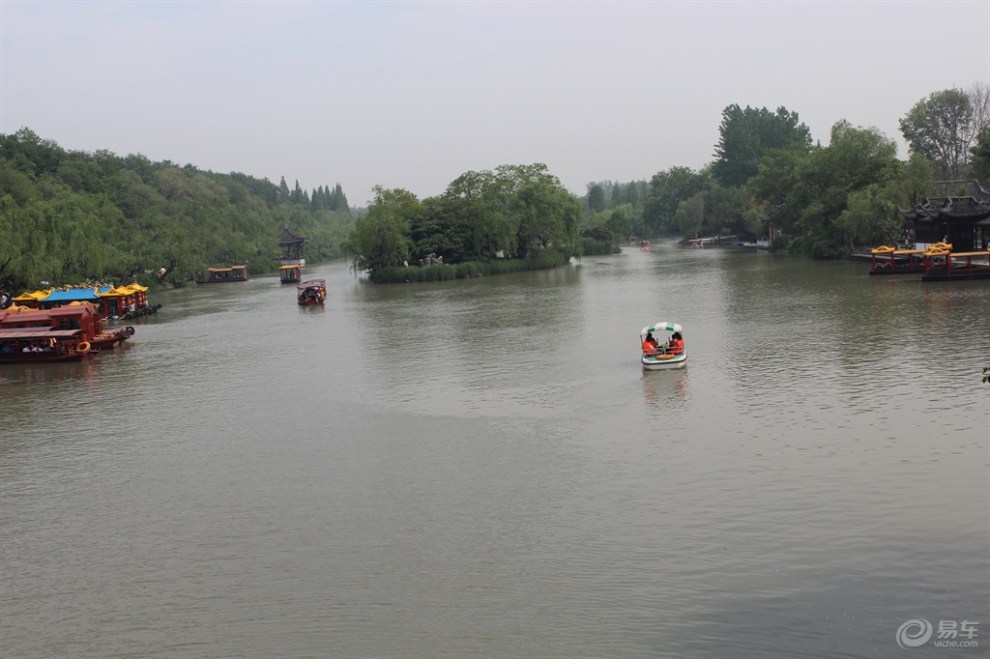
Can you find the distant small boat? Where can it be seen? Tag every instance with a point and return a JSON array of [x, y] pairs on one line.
[[311, 292], [222, 275], [290, 273], [668, 353]]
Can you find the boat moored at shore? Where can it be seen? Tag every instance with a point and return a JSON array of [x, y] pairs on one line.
[[113, 302], [69, 333]]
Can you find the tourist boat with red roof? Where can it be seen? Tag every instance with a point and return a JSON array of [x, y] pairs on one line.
[[68, 333]]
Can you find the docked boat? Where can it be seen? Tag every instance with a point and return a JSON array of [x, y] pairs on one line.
[[69, 333], [113, 302], [889, 260], [311, 292], [110, 340], [291, 261], [222, 275], [946, 265], [290, 273], [662, 346]]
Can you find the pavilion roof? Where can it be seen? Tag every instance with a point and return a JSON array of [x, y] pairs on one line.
[[289, 238]]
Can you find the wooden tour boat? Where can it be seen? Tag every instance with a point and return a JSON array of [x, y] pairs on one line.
[[936, 263], [887, 260], [944, 265], [113, 302], [68, 333], [290, 273], [291, 261], [222, 275], [311, 292]]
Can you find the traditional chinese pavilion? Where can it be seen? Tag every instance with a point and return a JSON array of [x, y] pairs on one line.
[[962, 221], [291, 260]]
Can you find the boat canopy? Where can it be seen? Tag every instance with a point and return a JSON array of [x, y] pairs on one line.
[[122, 291], [65, 295], [36, 333], [33, 296], [312, 283], [662, 326], [16, 309]]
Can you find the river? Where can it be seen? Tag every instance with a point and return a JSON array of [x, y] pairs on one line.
[[480, 468]]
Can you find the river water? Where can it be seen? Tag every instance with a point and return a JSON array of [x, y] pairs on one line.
[[480, 468]]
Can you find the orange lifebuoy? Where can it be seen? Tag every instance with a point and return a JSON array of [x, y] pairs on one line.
[[83, 346]]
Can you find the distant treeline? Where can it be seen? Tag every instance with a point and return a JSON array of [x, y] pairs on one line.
[[821, 201], [69, 216], [515, 218]]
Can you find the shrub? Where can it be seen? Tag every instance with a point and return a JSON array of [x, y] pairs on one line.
[[549, 258]]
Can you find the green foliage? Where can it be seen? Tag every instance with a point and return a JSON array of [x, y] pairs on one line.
[[667, 190], [746, 135], [550, 258], [980, 153], [516, 212], [620, 221], [940, 128], [871, 217], [70, 216], [596, 198], [589, 246], [381, 238], [831, 198], [690, 215]]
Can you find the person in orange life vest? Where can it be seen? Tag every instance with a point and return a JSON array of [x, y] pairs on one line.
[[650, 344], [676, 343]]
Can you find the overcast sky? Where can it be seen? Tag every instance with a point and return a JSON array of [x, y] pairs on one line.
[[413, 94]]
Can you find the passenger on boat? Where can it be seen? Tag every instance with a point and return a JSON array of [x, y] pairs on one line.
[[676, 343], [650, 344]]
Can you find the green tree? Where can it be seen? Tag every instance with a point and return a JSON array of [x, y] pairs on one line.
[[940, 128], [746, 135], [666, 191], [596, 198], [382, 237], [806, 192], [690, 215], [69, 215], [980, 155], [730, 210], [620, 221], [870, 217]]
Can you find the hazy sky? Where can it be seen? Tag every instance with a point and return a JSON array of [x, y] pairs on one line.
[[413, 94]]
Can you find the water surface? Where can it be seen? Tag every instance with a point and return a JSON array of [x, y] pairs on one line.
[[480, 468]]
